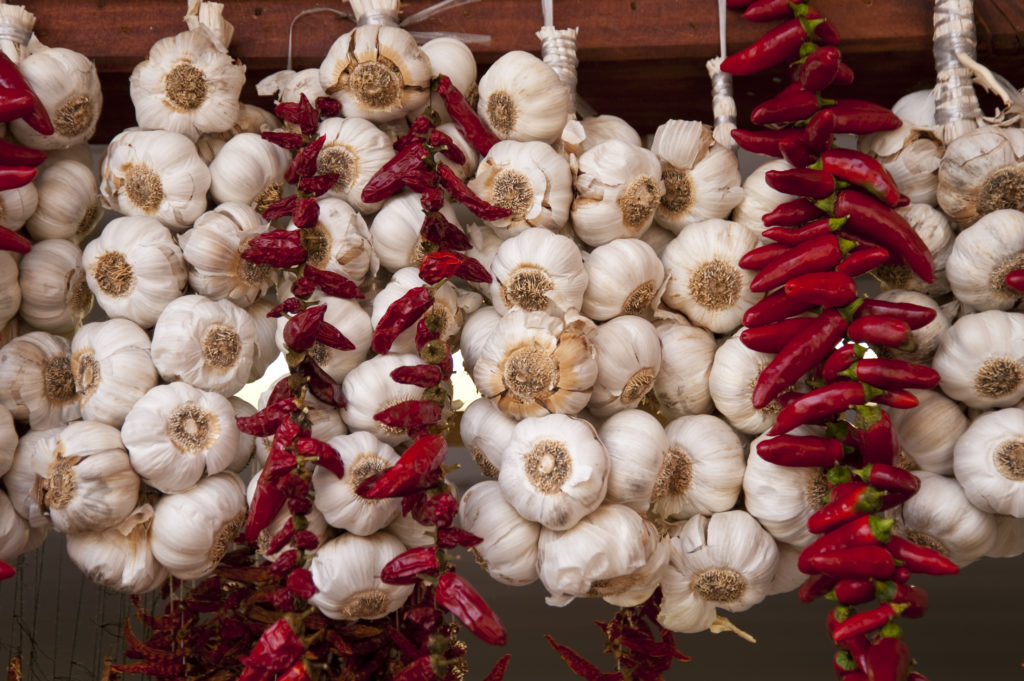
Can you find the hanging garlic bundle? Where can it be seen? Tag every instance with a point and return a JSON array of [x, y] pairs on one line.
[[55, 295], [538, 271], [336, 498], [981, 359], [36, 382], [508, 551], [624, 277], [113, 368], [628, 359], [68, 202], [485, 431], [120, 558], [248, 169], [346, 572]]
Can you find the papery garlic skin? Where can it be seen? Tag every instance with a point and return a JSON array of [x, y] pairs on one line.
[[36, 381], [608, 127], [17, 205], [929, 432], [14, 530], [618, 189], [554, 470], [476, 335], [289, 86], [911, 154], [941, 517], [529, 179], [68, 207], [981, 171], [538, 271], [396, 230], [188, 84], [336, 498], [251, 118], [89, 485], [726, 561], [982, 256], [734, 373], [248, 169], [988, 461], [624, 277], [156, 173], [981, 359], [758, 197], [8, 440], [354, 150], [193, 530], [346, 572], [444, 312], [703, 280], [67, 84], [377, 72], [340, 242], [369, 389], [687, 352], [522, 98], [10, 290], [628, 360], [206, 343], [120, 558], [485, 431], [55, 296], [134, 269], [613, 553], [508, 551], [353, 323], [636, 445], [535, 364], [113, 368]]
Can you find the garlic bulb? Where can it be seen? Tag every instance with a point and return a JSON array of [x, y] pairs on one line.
[[175, 433], [988, 462], [193, 530], [618, 189], [508, 551], [538, 271], [369, 389], [702, 178], [702, 468], [206, 343], [188, 84], [937, 234], [289, 86], [531, 180], [476, 335], [734, 373], [354, 150], [377, 72], [10, 291], [928, 432], [346, 572], [340, 241], [687, 353], [14, 530], [704, 281], [246, 443], [68, 202], [636, 445], [628, 359], [8, 440], [452, 57], [554, 470], [758, 197], [134, 268], [89, 484], [265, 349], [606, 127], [925, 339], [614, 553], [981, 172], [363, 455], [155, 173], [113, 368], [444, 314], [485, 431], [55, 296], [120, 558], [535, 364], [67, 84], [396, 230], [983, 255], [941, 517], [521, 98], [17, 205], [1009, 542], [782, 498], [725, 561], [624, 277], [213, 253], [36, 382], [981, 359], [32, 457], [353, 323], [787, 574], [248, 169], [251, 118]]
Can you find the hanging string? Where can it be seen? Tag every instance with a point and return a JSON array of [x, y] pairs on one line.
[[558, 50], [956, 104], [305, 12], [723, 105]]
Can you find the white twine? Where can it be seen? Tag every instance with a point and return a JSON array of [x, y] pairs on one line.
[[558, 50], [956, 104], [723, 105]]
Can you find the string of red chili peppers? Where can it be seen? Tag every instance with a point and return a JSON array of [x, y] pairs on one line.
[[841, 225]]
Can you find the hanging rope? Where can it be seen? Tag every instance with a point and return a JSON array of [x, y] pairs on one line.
[[723, 105]]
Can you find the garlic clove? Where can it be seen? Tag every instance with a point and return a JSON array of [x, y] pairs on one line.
[[18, 205], [336, 498], [1009, 541], [346, 572], [522, 98], [113, 368]]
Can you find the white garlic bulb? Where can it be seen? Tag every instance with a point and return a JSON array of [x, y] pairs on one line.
[[531, 180], [68, 202], [787, 573], [354, 150], [188, 84], [289, 86], [346, 572], [55, 296], [444, 314], [363, 455], [134, 268], [396, 230], [636, 445], [624, 277], [1009, 542], [628, 359], [377, 72], [726, 561], [206, 343], [353, 323], [17, 205], [485, 431], [340, 241], [265, 349], [32, 457], [618, 189], [702, 178], [614, 553], [988, 462], [89, 484], [941, 517], [476, 335], [36, 382], [734, 373], [981, 172], [369, 389], [925, 339], [758, 197], [248, 169], [982, 256], [508, 551], [14, 530], [687, 353], [538, 270], [120, 558], [113, 368], [535, 364], [193, 530], [928, 432], [10, 291], [554, 470], [702, 469], [981, 359], [67, 84], [704, 281], [156, 173], [934, 229], [607, 127], [521, 98], [251, 118], [8, 440]]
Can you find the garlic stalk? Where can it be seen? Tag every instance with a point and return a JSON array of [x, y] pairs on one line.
[[346, 572], [113, 369], [508, 551], [36, 382], [68, 204], [120, 558], [55, 295], [956, 105]]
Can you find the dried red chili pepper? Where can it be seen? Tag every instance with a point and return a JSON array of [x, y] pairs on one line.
[[318, 184], [497, 672], [471, 270], [326, 455], [281, 208], [300, 332], [438, 266], [861, 170], [289, 305], [436, 229], [6, 571], [795, 212], [300, 583], [332, 338], [285, 140], [323, 387], [921, 559], [828, 289], [761, 256], [436, 511], [862, 260], [892, 374], [405, 568], [875, 436], [888, 659], [306, 213], [801, 450], [915, 316], [12, 241], [778, 45], [11, 79], [415, 470], [465, 118], [772, 338], [276, 650], [432, 199], [458, 596], [439, 140], [297, 672], [865, 530], [773, 308], [806, 348], [769, 10], [816, 586], [302, 113], [819, 68], [858, 117], [277, 248], [450, 537], [859, 562], [788, 107], [266, 421], [422, 375], [818, 254], [399, 316], [765, 141], [854, 591], [806, 182], [388, 180], [879, 330], [410, 414], [792, 236], [418, 131], [1015, 280], [861, 500], [463, 194]]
